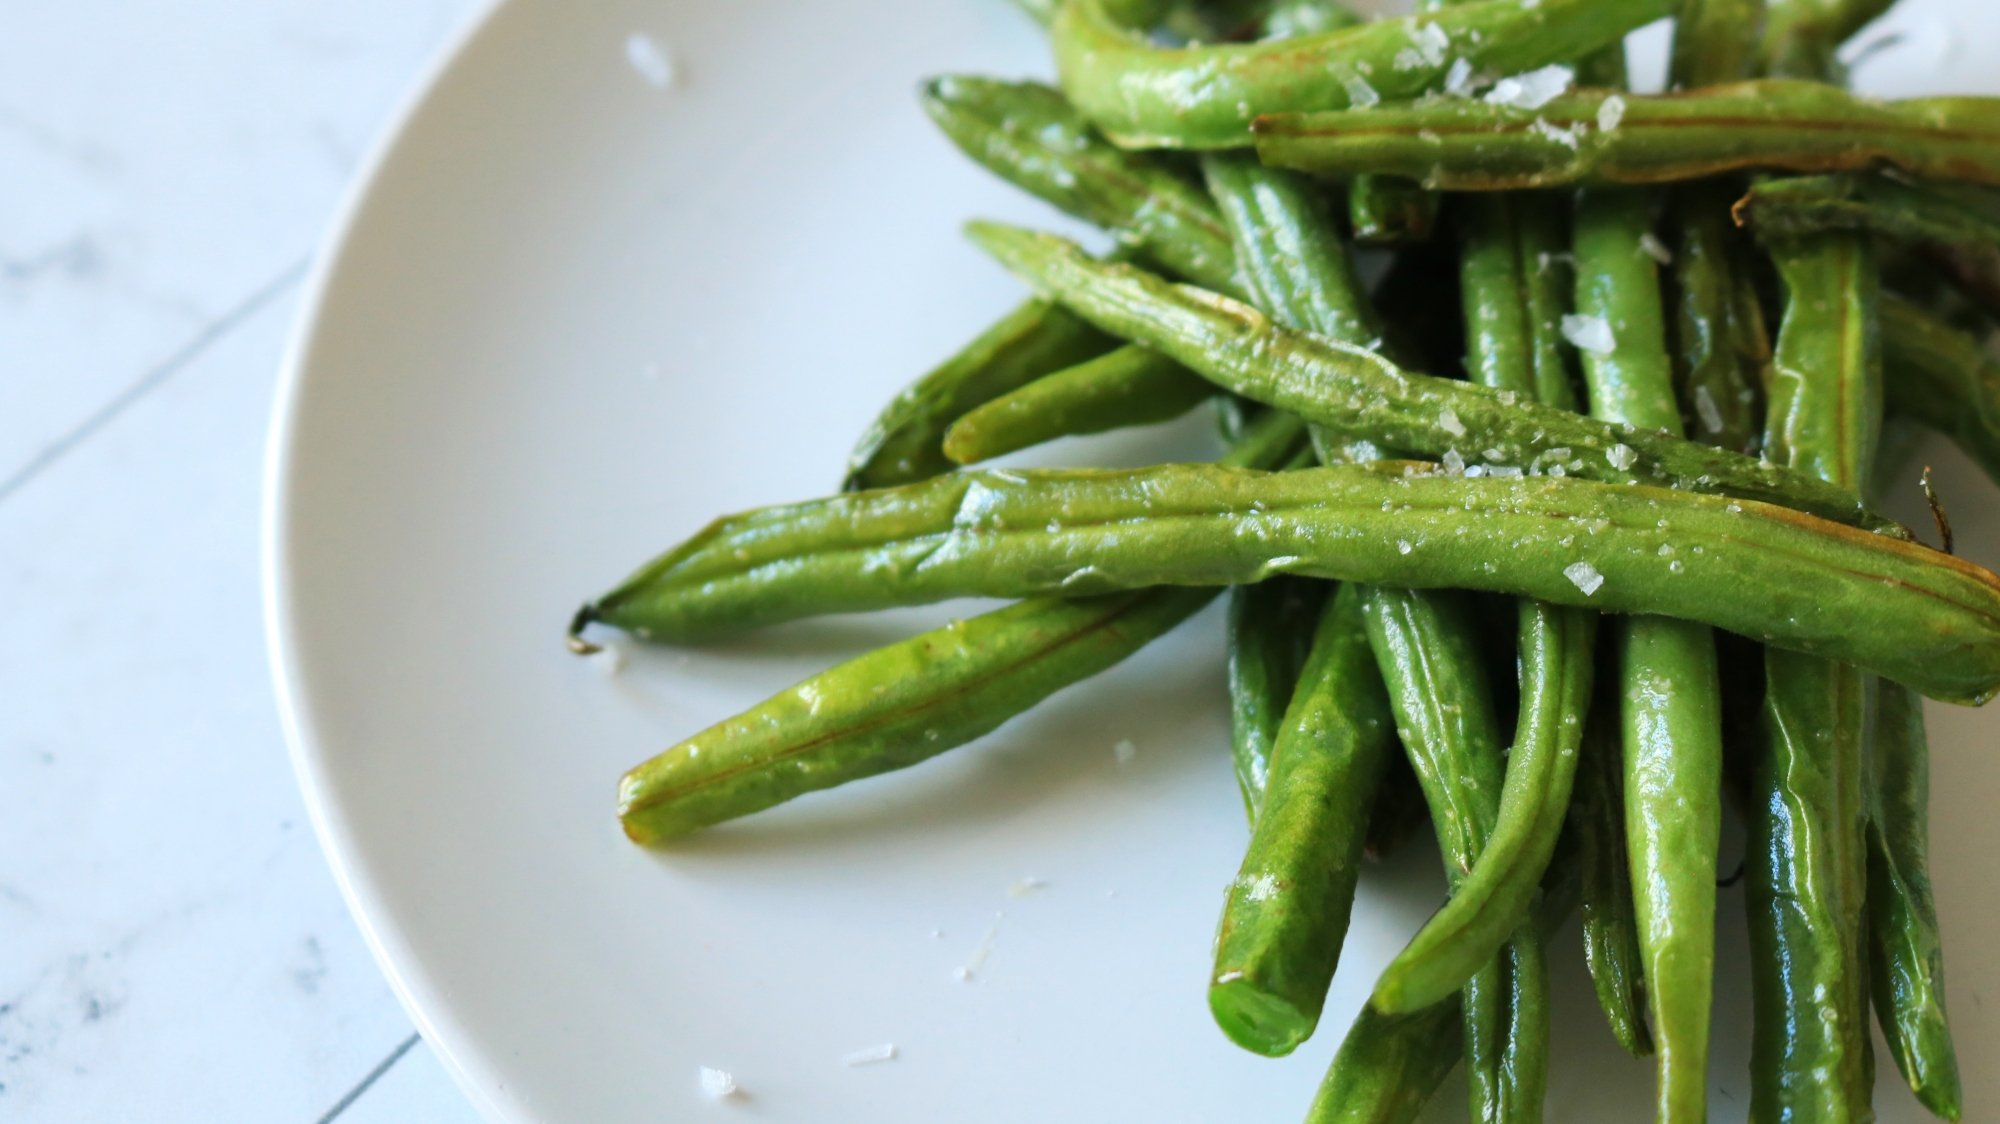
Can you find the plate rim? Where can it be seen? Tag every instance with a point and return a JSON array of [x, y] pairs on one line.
[[330, 823]]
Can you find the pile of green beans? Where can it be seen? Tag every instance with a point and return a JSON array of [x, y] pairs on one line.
[[1685, 318]]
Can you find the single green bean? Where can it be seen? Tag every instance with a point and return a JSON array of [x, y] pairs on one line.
[[1942, 377], [903, 443], [1610, 921], [1288, 908], [1513, 286], [1362, 394], [1807, 877], [1714, 41], [1874, 204], [1781, 124], [1029, 135], [1145, 96], [1901, 609], [912, 700], [1905, 953], [1667, 684], [1125, 387], [1271, 626]]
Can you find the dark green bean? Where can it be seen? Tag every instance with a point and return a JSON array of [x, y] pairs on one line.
[[1271, 626], [1905, 953], [903, 443], [1781, 124], [1128, 386], [912, 700], [1364, 395], [1288, 908], [1875, 204], [1667, 684], [1720, 352], [1807, 876], [1714, 41], [1144, 96], [1803, 37], [1942, 377], [1390, 211], [1610, 923]]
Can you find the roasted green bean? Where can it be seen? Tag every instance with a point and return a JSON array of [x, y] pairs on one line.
[[1145, 96], [1128, 386], [1271, 626], [1363, 395], [1610, 920], [1778, 124], [1288, 908]]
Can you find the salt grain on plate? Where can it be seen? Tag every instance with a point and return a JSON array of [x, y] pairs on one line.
[[718, 1084], [1124, 751], [1026, 886], [609, 658], [650, 60], [1585, 577], [1532, 90], [1610, 113], [1589, 333], [1652, 247], [886, 1052]]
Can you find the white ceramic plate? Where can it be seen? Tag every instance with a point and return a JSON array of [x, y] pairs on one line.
[[570, 317]]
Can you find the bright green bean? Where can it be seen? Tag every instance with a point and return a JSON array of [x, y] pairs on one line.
[[1128, 386], [1667, 684], [1781, 124], [1901, 609], [1363, 395], [1942, 377], [1807, 876], [912, 700], [1144, 96], [1905, 954], [903, 443], [1271, 626], [1288, 908]]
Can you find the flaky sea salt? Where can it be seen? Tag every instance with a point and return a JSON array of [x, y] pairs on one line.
[[1403, 546], [1621, 457], [1432, 42], [718, 1084], [1532, 90], [1610, 112], [1453, 461], [1568, 137], [1448, 421], [1360, 94], [1706, 409], [869, 1055], [1589, 333], [1652, 247], [1026, 886], [1584, 576], [650, 60], [1458, 80], [1261, 888]]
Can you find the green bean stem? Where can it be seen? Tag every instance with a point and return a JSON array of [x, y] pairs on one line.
[[1807, 878], [1667, 684], [1778, 124], [1288, 908], [1145, 96], [1905, 952], [1362, 394], [1943, 378]]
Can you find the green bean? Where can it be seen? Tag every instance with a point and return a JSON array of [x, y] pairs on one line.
[[903, 443], [1443, 705], [1714, 41], [1901, 609], [1610, 921], [1512, 322], [1390, 211], [1905, 955], [1942, 378], [1667, 683], [1877, 205], [1364, 395], [1029, 135], [1271, 626], [1128, 386], [912, 700], [1143, 96], [1780, 124], [1803, 37], [1807, 878], [1288, 908]]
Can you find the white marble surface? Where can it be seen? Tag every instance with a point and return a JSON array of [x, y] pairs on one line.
[[175, 949]]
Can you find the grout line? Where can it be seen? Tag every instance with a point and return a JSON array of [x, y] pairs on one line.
[[153, 379], [374, 1075]]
